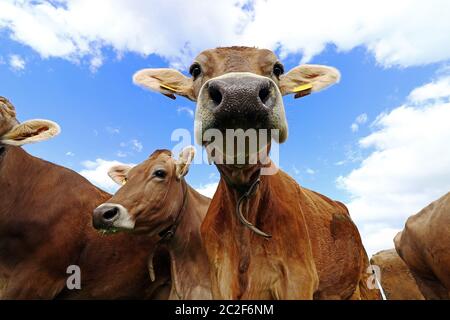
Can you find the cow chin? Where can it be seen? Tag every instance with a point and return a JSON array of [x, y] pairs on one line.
[[239, 100]]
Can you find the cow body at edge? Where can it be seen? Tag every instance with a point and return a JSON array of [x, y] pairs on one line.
[[45, 226], [424, 245]]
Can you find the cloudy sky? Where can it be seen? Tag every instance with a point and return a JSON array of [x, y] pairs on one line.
[[378, 141]]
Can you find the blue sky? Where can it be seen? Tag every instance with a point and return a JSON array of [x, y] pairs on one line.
[[103, 115], [100, 111]]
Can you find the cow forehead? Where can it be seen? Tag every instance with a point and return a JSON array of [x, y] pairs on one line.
[[159, 157], [157, 153], [236, 59]]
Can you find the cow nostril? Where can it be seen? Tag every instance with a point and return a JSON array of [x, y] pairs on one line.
[[110, 214], [264, 94], [215, 95]]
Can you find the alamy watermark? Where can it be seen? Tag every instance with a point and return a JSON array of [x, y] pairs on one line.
[[73, 281], [233, 147]]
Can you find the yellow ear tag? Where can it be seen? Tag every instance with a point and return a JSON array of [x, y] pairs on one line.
[[167, 87], [303, 87], [302, 90], [124, 181]]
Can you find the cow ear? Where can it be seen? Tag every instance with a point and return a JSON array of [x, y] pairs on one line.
[[304, 79], [119, 173], [169, 82], [184, 161], [31, 131]]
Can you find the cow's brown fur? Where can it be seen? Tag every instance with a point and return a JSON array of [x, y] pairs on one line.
[[218, 61], [154, 206], [45, 226], [424, 245], [396, 279], [315, 249]]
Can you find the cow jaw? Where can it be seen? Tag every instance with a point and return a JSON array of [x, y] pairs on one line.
[[240, 100]]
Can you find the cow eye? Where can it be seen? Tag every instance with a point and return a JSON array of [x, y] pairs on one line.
[[160, 173], [195, 70], [278, 69]]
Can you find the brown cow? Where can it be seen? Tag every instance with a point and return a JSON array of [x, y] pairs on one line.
[[156, 199], [46, 226], [315, 249], [396, 278], [424, 245]]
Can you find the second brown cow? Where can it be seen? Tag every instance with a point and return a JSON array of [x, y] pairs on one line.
[[156, 200]]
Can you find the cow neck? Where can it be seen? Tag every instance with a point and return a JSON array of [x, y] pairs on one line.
[[10, 158], [244, 192], [17, 169], [182, 241], [168, 233]]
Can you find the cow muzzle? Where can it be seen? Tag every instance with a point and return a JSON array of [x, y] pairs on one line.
[[240, 100], [111, 217]]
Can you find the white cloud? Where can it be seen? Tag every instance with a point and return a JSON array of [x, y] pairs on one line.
[[97, 173], [377, 237], [16, 62], [403, 32], [74, 29], [186, 110], [360, 120], [310, 171], [352, 155], [112, 130], [409, 163], [95, 62], [397, 32], [121, 154], [208, 189], [133, 145], [435, 90], [136, 145], [70, 154], [212, 175]]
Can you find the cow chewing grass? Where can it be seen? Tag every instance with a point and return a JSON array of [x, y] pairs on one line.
[[155, 199]]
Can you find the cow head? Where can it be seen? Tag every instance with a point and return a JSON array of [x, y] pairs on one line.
[[17, 134], [151, 196], [238, 88]]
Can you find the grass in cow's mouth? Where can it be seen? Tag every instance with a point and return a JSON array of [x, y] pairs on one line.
[[109, 231]]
